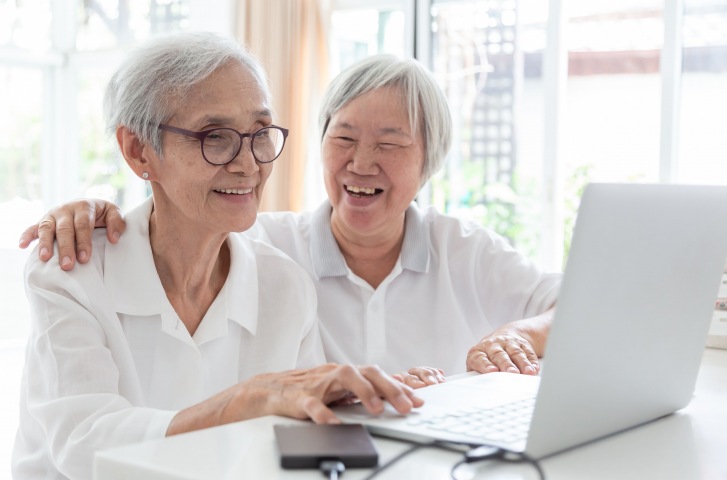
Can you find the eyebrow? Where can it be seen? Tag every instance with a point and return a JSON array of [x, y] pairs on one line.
[[381, 131], [266, 114]]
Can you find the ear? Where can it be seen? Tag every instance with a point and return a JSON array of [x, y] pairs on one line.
[[138, 155]]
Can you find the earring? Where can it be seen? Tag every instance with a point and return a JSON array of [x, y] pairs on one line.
[[145, 175]]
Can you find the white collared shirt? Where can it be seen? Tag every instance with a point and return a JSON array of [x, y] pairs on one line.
[[454, 283], [109, 362]]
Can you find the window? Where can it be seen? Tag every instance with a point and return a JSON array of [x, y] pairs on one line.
[[702, 140], [546, 99], [362, 28], [55, 60]]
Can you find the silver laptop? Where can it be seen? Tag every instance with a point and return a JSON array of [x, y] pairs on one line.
[[627, 339]]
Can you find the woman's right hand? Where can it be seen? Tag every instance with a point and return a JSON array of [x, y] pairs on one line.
[[72, 226], [299, 394], [418, 377]]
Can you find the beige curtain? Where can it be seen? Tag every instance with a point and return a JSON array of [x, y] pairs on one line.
[[289, 38]]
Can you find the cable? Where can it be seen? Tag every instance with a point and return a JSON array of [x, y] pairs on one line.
[[392, 461], [333, 469], [522, 457], [493, 453]]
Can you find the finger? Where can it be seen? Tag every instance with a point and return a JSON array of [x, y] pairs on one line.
[[401, 397], [497, 355], [427, 375], [410, 380], [317, 411], [524, 358], [66, 239], [28, 236], [83, 224], [478, 361], [109, 215], [352, 380], [46, 237]]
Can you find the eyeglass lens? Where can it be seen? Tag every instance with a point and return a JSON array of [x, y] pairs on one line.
[[222, 144]]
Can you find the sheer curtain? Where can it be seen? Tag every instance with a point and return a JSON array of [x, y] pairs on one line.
[[289, 38]]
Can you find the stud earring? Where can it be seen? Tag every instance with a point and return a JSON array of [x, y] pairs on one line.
[[145, 176]]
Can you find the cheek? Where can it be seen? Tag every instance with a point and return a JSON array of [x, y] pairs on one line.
[[408, 174], [333, 157], [265, 170]]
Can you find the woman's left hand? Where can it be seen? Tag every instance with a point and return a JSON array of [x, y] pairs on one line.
[[515, 347], [503, 352], [418, 377]]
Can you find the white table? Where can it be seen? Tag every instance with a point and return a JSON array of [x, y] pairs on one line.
[[691, 444]]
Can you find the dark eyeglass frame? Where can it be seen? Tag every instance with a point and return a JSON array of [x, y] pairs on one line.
[[203, 134]]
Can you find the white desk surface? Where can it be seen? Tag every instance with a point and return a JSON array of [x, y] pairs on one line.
[[690, 444]]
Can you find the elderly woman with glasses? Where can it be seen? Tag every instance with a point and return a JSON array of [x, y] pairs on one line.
[[397, 285], [172, 328]]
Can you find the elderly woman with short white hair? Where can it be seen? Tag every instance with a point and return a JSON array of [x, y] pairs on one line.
[[172, 328]]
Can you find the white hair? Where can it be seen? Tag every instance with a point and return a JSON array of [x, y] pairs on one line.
[[141, 93], [422, 95]]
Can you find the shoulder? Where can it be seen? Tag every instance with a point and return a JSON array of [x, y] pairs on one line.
[[448, 231], [272, 226], [271, 262], [48, 276]]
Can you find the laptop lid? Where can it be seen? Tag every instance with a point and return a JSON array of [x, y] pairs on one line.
[[630, 326], [633, 311]]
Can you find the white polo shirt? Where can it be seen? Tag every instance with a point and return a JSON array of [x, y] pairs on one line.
[[454, 283], [109, 362]]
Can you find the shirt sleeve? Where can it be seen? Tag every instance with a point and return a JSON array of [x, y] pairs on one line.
[[485, 270], [81, 391], [512, 286]]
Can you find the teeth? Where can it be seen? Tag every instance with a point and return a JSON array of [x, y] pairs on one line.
[[234, 191], [364, 190]]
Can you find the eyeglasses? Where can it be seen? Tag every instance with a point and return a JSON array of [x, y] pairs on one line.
[[221, 145]]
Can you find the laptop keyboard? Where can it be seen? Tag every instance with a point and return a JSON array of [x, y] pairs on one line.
[[506, 423]]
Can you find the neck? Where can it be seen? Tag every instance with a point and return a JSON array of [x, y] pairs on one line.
[[371, 257], [192, 266]]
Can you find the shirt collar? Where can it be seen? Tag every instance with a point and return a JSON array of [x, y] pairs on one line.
[[415, 248], [130, 273], [328, 261]]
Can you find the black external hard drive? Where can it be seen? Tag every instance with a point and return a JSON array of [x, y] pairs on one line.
[[306, 446]]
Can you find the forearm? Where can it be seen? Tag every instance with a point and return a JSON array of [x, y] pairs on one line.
[[240, 402]]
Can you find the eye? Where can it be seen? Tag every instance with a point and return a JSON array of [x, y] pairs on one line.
[[342, 141]]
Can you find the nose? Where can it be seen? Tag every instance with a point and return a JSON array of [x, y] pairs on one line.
[[363, 162], [244, 162]]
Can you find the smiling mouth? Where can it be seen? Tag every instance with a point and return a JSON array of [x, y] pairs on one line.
[[360, 192], [234, 191]]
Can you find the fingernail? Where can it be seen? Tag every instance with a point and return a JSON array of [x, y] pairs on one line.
[[43, 252], [513, 370], [82, 255], [333, 421], [66, 262], [116, 235], [529, 369], [431, 379]]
